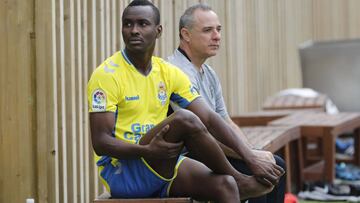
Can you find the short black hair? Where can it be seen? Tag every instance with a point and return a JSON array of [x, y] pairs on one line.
[[146, 3]]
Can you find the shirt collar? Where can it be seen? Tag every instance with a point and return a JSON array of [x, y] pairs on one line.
[[183, 53], [187, 57]]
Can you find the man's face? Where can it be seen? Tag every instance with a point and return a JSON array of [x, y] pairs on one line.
[[205, 34], [139, 29]]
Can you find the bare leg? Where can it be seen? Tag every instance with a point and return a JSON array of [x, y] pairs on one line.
[[186, 126], [198, 181]]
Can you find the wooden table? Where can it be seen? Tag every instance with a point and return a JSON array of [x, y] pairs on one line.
[[259, 118], [317, 103], [325, 127], [274, 138]]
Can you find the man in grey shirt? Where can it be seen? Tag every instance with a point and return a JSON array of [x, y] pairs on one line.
[[199, 31]]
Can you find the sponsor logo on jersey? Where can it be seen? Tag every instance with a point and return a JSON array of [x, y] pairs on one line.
[[162, 96], [99, 100], [132, 98], [137, 130]]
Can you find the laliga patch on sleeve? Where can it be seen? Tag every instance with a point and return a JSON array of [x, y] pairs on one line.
[[98, 101]]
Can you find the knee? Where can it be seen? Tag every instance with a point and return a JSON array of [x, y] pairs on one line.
[[187, 120], [226, 187]]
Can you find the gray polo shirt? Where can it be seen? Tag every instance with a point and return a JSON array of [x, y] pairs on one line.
[[206, 82]]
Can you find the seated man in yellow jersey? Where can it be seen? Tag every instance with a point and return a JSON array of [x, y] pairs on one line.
[[200, 37], [139, 147]]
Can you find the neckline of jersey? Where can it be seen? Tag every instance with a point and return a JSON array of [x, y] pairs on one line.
[[132, 65]]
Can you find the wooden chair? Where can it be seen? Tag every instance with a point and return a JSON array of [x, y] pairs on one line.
[[293, 102], [312, 146], [327, 128], [259, 118], [275, 138]]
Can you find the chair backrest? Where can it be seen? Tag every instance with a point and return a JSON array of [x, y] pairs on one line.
[[333, 68]]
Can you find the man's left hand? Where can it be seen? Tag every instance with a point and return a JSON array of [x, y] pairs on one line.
[[264, 168]]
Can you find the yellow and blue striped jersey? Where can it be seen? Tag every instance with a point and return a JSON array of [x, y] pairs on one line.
[[139, 102]]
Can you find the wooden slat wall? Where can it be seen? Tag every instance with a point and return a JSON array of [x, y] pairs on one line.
[[17, 101], [49, 48]]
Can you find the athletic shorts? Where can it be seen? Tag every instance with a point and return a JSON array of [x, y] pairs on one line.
[[134, 178]]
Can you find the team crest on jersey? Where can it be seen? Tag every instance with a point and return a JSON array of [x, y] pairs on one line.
[[98, 100], [162, 93]]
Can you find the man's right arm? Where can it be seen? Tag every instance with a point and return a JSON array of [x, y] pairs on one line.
[[104, 143]]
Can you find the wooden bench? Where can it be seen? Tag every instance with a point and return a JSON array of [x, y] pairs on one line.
[[274, 138], [146, 200], [325, 127], [292, 102], [106, 198]]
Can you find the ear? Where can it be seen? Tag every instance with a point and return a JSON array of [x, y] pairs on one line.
[[185, 33], [159, 30]]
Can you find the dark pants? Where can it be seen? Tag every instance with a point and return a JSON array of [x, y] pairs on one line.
[[275, 196]]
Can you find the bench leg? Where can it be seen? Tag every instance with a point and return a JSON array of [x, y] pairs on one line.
[[357, 147], [301, 163], [288, 167], [329, 155]]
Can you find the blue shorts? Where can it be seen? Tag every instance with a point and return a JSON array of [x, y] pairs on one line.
[[134, 178]]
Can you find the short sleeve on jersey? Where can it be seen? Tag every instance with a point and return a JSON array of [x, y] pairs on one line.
[[103, 91], [184, 92]]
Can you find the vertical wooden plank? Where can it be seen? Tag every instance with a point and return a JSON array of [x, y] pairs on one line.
[[62, 101], [86, 142], [234, 24], [3, 63], [113, 26], [107, 36], [101, 36], [230, 50], [46, 151], [68, 92], [91, 60], [55, 105], [249, 52], [71, 108], [18, 102], [93, 33], [96, 60], [4, 176], [179, 8], [330, 19], [80, 102], [165, 42], [237, 38]]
